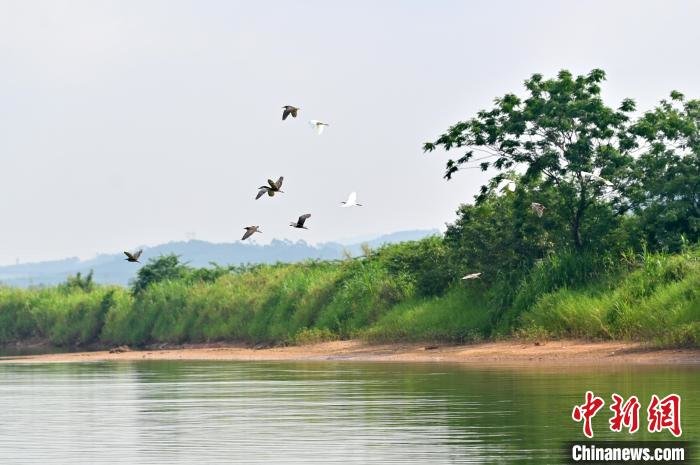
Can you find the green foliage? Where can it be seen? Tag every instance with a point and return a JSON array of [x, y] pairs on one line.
[[79, 282], [426, 262], [664, 187], [659, 301], [16, 319], [76, 318], [564, 270], [558, 133], [647, 296], [366, 290], [461, 315], [163, 268], [66, 317]]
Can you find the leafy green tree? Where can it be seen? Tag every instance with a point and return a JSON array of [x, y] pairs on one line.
[[562, 134], [426, 261], [162, 268], [499, 236], [664, 187]]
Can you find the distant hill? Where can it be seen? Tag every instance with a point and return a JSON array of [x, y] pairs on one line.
[[112, 269]]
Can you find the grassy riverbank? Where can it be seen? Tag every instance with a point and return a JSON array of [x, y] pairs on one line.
[[405, 292]]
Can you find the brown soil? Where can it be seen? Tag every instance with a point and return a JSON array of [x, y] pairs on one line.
[[503, 353]]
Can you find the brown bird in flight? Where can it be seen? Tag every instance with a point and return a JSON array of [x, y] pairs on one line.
[[271, 188], [133, 257], [300, 221], [538, 208], [289, 110], [249, 231]]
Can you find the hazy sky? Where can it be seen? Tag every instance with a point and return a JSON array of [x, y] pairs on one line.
[[129, 123]]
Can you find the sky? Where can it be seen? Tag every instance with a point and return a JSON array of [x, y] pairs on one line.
[[138, 122]]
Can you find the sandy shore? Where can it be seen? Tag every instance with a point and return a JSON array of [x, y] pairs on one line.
[[555, 353]]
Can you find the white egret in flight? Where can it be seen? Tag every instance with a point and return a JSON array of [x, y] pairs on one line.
[[351, 201], [318, 125]]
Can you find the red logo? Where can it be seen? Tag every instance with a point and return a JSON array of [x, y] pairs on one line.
[[587, 411], [625, 414], [663, 414]]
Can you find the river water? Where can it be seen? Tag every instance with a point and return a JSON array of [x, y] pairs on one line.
[[314, 412]]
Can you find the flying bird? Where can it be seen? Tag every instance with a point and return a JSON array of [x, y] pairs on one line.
[[133, 257], [507, 184], [595, 177], [300, 221], [472, 276], [351, 201], [289, 110], [318, 125], [249, 231], [271, 188], [538, 208]]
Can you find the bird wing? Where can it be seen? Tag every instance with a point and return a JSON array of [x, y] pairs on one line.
[[279, 182], [138, 254], [286, 113], [249, 232], [272, 183], [261, 192], [303, 218], [317, 125], [352, 198], [599, 179], [506, 185], [538, 208], [128, 255]]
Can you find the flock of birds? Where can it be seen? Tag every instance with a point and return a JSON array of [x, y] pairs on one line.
[[274, 187]]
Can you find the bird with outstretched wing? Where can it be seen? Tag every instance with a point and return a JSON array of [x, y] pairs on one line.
[[249, 231], [289, 110], [300, 221], [133, 257]]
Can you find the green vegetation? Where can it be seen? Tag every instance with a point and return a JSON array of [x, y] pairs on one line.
[[614, 256], [649, 297]]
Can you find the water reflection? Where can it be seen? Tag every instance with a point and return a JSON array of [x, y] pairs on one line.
[[316, 412]]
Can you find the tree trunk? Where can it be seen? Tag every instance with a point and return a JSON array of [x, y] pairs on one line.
[[576, 232], [578, 216]]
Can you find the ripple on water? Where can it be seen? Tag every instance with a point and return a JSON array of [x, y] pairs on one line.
[[334, 412]]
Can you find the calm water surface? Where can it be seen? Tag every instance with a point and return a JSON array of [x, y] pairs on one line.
[[322, 412]]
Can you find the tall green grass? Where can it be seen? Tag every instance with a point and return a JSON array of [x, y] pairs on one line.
[[266, 304], [65, 317], [395, 294], [461, 315], [659, 302]]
